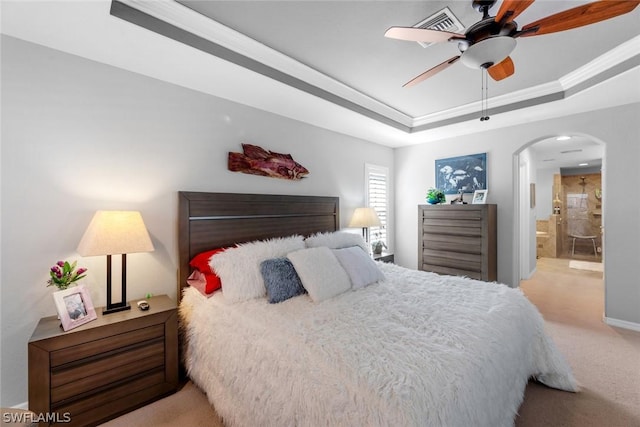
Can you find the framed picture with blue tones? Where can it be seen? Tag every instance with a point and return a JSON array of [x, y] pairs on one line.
[[466, 173]]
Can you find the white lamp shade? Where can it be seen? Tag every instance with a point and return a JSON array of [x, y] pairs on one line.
[[115, 232], [365, 217]]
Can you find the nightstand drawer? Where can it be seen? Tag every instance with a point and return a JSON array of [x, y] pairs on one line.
[[108, 368], [102, 346], [119, 391]]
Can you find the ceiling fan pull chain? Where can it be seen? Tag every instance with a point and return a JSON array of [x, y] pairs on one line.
[[486, 94], [484, 88], [481, 94]]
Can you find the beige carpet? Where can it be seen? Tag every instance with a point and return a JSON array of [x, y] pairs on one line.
[[605, 361], [188, 407]]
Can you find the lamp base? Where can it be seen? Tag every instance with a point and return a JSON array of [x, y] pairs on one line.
[[114, 308]]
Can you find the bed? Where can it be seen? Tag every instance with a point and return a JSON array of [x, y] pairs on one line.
[[411, 349]]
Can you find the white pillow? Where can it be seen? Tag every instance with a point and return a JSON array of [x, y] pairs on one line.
[[320, 272], [362, 270], [239, 267], [336, 240]]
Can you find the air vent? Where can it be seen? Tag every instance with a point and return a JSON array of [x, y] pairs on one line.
[[443, 20], [571, 151]]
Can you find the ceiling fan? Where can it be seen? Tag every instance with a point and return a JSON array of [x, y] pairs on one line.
[[488, 43]]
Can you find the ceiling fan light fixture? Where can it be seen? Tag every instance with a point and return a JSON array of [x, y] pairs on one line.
[[488, 52]]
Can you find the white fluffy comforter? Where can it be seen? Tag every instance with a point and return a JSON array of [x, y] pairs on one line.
[[415, 350]]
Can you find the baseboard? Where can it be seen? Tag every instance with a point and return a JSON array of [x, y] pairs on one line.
[[622, 324], [23, 405]]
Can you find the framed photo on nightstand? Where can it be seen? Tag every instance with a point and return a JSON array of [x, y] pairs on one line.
[[74, 307]]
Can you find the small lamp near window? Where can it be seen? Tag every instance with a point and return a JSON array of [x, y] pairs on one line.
[[111, 233], [365, 218]]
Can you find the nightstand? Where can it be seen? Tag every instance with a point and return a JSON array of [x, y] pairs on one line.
[[106, 367], [384, 257]]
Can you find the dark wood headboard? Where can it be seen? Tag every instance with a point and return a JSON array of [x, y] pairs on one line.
[[214, 220]]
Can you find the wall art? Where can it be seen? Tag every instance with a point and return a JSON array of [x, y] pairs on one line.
[[255, 160], [466, 173]]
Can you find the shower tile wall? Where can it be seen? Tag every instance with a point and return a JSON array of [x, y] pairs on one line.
[[581, 213]]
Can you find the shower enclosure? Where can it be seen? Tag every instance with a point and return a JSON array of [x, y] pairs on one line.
[[582, 216]]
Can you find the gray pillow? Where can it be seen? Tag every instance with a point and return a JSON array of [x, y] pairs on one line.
[[281, 280]]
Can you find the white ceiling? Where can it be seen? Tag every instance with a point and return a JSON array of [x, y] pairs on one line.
[[328, 64], [344, 40], [577, 152]]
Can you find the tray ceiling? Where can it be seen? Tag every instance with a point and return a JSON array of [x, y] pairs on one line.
[[328, 63]]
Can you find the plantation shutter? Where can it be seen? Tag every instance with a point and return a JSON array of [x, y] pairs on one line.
[[377, 181]]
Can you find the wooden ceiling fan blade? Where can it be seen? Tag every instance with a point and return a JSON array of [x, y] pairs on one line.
[[510, 9], [502, 70], [432, 71], [579, 16], [421, 35]]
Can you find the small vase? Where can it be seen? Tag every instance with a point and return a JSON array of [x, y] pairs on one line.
[[433, 201]]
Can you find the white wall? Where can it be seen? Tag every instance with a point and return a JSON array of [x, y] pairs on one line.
[[544, 192], [78, 136], [528, 176], [617, 127]]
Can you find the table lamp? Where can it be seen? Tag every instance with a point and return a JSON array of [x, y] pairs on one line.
[[365, 218], [111, 233]]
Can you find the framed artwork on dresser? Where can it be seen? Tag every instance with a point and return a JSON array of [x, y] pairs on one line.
[[467, 173], [479, 197]]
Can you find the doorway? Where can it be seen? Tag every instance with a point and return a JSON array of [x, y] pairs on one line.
[[563, 176]]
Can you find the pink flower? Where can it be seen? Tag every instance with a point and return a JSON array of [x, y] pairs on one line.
[[64, 274]]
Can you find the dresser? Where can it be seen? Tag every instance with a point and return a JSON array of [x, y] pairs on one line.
[[106, 367], [458, 240]]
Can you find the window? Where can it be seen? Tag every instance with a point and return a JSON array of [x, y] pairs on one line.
[[377, 197]]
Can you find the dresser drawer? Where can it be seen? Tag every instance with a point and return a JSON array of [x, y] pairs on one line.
[[463, 261], [457, 213], [443, 242]]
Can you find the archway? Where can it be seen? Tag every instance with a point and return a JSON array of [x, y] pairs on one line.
[[584, 149]]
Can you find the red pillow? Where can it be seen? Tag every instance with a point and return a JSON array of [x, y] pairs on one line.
[[201, 263]]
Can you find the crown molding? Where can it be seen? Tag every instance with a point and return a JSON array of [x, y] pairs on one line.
[[601, 64], [296, 74], [208, 29], [536, 92]]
